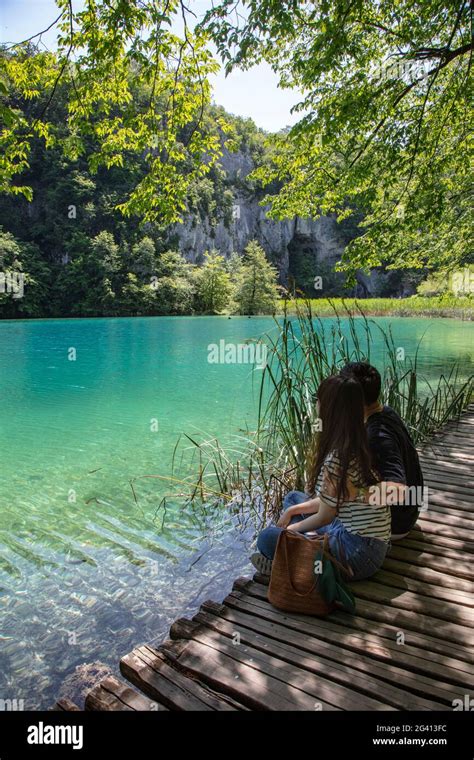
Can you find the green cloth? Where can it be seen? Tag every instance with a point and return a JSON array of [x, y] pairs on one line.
[[333, 589]]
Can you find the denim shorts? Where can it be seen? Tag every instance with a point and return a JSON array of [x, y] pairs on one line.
[[363, 554]]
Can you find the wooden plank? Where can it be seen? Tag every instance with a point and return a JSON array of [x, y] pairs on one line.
[[395, 621], [308, 655], [217, 632], [441, 474], [411, 602], [423, 546], [419, 623], [446, 465], [424, 589], [454, 437], [152, 673], [457, 493], [456, 461], [453, 444], [426, 574], [379, 645], [299, 670], [429, 526], [454, 452], [450, 478], [440, 563], [328, 659], [450, 444], [113, 694], [448, 512], [171, 691], [65, 705], [451, 439], [252, 683], [446, 517], [100, 700], [438, 539], [218, 701], [445, 498], [466, 514]]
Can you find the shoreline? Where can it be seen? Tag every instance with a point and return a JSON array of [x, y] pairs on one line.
[[450, 307], [444, 307]]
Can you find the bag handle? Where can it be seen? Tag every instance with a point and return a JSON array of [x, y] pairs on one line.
[[345, 568]]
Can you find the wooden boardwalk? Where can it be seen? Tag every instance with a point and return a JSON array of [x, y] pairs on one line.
[[408, 647]]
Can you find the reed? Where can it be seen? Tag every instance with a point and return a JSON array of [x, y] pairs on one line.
[[256, 469], [446, 305]]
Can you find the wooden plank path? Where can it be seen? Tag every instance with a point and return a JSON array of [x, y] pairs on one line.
[[408, 647]]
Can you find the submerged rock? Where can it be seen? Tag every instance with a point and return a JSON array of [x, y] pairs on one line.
[[78, 683]]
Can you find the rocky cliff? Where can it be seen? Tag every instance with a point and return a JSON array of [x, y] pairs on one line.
[[301, 249]]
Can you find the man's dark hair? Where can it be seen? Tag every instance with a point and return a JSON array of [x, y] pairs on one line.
[[368, 377]]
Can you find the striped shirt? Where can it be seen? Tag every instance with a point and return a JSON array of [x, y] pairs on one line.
[[356, 515]]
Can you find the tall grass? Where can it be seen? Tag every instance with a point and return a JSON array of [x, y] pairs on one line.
[[446, 305], [258, 468]]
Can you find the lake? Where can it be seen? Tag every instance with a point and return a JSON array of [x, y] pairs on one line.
[[87, 570]]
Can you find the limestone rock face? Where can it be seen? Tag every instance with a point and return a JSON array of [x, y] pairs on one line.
[[290, 244], [250, 222]]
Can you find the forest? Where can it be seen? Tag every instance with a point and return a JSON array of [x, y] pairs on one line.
[[113, 138], [78, 256]]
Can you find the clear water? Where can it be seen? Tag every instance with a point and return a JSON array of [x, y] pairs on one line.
[[86, 572]]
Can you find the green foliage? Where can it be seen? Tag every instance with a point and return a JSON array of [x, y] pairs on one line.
[[119, 117], [422, 306], [24, 279], [213, 284], [173, 284], [96, 263], [103, 280], [256, 285], [385, 127], [457, 283], [143, 258], [435, 285], [174, 296], [103, 50]]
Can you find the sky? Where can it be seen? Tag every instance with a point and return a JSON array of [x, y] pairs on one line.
[[253, 93]]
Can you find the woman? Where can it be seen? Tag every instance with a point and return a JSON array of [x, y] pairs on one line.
[[346, 506]]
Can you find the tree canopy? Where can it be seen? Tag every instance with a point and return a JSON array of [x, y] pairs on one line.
[[385, 111], [385, 123], [105, 51]]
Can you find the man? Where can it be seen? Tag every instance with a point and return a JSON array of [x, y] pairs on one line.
[[393, 451]]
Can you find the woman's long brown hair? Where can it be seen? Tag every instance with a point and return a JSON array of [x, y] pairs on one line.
[[341, 411]]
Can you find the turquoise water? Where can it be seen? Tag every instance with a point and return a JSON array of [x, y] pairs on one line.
[[87, 572]]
